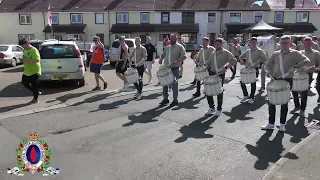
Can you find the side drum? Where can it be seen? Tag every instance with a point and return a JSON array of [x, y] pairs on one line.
[[248, 75], [212, 85], [165, 76], [132, 75], [300, 82], [278, 92], [201, 73]]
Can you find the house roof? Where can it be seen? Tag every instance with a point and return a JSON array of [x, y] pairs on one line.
[[150, 5]]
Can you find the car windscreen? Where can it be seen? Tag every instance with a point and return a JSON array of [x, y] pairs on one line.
[[58, 51], [4, 48], [87, 47], [36, 44]]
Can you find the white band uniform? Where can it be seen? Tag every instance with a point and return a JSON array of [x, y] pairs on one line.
[[212, 85], [300, 81], [201, 73], [278, 92]]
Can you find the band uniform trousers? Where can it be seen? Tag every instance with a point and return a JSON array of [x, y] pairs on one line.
[[234, 68], [174, 86], [219, 97], [198, 83], [139, 84], [253, 87], [318, 86], [30, 82], [310, 78]]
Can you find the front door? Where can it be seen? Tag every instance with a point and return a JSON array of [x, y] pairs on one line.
[[212, 37], [101, 35], [143, 39]]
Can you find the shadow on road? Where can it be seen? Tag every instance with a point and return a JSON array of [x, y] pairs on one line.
[[315, 115], [268, 151], [146, 116], [107, 67], [187, 88], [241, 111], [18, 90], [95, 98], [297, 131], [189, 104], [13, 107], [14, 70], [197, 129]]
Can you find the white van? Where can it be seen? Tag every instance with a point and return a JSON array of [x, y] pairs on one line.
[[61, 60], [114, 50]]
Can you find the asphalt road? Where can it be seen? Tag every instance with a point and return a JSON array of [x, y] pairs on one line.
[[122, 139], [14, 97]]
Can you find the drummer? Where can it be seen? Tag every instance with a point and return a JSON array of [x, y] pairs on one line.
[[257, 57], [203, 56], [174, 54], [137, 59], [224, 60], [291, 59], [314, 57]]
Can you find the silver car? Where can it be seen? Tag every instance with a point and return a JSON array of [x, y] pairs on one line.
[[10, 54], [61, 61]]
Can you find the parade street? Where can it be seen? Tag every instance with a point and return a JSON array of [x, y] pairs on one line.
[[106, 137]]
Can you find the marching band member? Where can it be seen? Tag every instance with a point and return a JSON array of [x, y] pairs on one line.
[[236, 51], [140, 55], [282, 64], [254, 57], [293, 45], [122, 62], [314, 57], [175, 54], [203, 56], [315, 46], [224, 60]]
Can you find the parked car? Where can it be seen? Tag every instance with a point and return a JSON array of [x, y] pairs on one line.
[[11, 54], [114, 53], [86, 50], [37, 43], [60, 61]]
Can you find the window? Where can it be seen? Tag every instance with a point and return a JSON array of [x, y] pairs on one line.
[[116, 36], [165, 17], [26, 36], [278, 17], [258, 16], [189, 38], [99, 18], [122, 18], [58, 51], [235, 17], [188, 17], [25, 19], [76, 18], [55, 18], [77, 37], [144, 17], [17, 49], [211, 17], [302, 16]]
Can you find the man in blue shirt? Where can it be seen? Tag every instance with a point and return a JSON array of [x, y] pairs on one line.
[[184, 45]]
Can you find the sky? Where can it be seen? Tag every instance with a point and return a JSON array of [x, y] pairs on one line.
[[318, 1]]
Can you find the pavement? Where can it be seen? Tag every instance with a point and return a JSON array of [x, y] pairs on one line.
[[108, 137]]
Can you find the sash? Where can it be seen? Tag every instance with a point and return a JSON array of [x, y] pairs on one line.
[[203, 57], [135, 57], [250, 59], [169, 57], [215, 61], [283, 75]]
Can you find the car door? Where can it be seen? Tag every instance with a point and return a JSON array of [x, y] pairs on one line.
[[18, 52]]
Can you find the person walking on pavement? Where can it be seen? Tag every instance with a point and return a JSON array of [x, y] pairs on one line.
[[139, 55], [217, 64], [313, 66], [173, 55], [184, 46], [283, 63], [252, 58], [235, 49], [203, 56], [122, 63], [151, 51], [32, 68], [96, 63]]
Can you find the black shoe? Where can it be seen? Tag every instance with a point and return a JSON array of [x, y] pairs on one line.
[[174, 103], [105, 85], [180, 76], [193, 82], [96, 88], [164, 102], [197, 94]]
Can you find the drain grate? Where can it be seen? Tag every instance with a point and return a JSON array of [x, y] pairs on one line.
[[314, 124]]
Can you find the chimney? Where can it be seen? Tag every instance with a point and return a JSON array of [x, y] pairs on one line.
[[290, 4]]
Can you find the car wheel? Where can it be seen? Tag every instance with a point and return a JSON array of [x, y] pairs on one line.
[[112, 64], [14, 62], [81, 82]]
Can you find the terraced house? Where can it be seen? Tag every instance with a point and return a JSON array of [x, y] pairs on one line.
[[192, 19]]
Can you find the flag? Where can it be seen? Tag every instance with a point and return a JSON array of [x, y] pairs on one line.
[[259, 3], [49, 16]]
